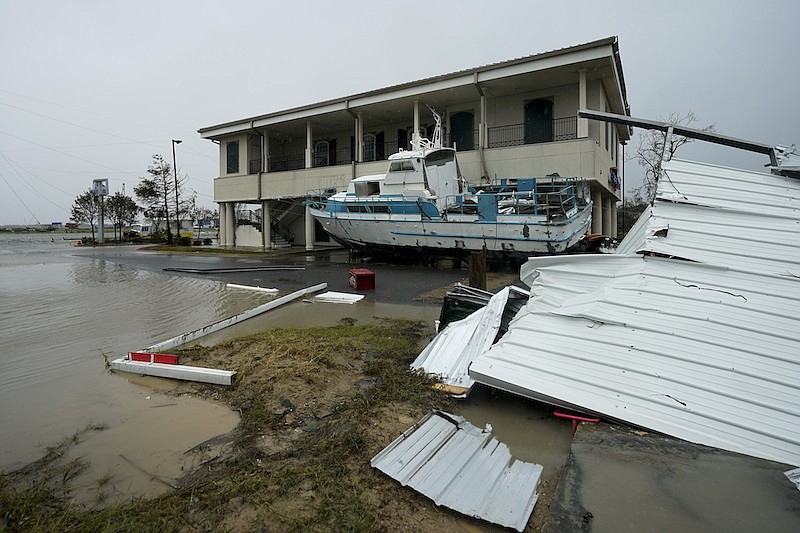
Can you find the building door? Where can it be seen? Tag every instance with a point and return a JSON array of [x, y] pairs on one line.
[[538, 121], [462, 127], [402, 140]]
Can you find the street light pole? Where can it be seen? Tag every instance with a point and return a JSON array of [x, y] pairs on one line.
[[177, 205]]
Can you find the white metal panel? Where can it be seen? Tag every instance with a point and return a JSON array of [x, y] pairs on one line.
[[720, 215], [222, 324], [463, 468], [339, 297], [704, 353], [183, 372], [450, 353]]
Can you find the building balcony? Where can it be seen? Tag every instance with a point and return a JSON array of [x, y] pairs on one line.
[[561, 129]]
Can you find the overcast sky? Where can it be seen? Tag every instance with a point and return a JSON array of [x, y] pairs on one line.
[[92, 89]]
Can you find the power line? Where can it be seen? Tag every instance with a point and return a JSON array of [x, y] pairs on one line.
[[69, 123], [86, 146], [12, 164], [20, 199], [87, 112], [67, 154]]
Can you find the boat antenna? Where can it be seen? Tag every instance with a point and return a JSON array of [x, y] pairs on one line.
[[436, 142]]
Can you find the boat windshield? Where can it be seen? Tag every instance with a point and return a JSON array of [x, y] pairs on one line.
[[401, 166], [440, 157]]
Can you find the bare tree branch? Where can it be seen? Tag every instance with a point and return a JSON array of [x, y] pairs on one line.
[[651, 151]]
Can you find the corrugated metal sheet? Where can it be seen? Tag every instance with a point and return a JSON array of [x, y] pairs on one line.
[[462, 467], [707, 351], [449, 354], [724, 216]]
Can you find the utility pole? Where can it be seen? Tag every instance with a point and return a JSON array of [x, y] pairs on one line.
[[177, 205]]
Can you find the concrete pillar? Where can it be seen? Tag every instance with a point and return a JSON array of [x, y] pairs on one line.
[[360, 137], [607, 203], [230, 225], [415, 135], [265, 152], [583, 124], [309, 145], [614, 228], [309, 229], [483, 142], [597, 210], [266, 224], [223, 223]]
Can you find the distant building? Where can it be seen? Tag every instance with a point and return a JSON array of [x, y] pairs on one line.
[[516, 118], [56, 225]]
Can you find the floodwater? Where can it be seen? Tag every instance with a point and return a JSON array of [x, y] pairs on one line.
[[64, 310], [60, 315]]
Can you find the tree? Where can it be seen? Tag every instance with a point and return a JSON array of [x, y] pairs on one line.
[[86, 208], [122, 210], [651, 151], [157, 192]]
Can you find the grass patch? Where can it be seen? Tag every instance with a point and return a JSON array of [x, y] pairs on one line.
[[316, 404]]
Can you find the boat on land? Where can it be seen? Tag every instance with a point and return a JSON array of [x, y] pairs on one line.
[[423, 203]]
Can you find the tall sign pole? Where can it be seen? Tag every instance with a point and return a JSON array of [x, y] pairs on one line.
[[100, 188], [177, 206]]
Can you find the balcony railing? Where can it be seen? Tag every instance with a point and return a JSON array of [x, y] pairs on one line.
[[560, 129], [288, 162]]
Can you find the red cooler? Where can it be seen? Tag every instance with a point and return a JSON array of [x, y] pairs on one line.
[[362, 279]]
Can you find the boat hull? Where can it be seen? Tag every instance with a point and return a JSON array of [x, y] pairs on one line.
[[514, 236]]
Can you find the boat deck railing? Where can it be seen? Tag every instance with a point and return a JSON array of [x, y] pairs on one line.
[[548, 198]]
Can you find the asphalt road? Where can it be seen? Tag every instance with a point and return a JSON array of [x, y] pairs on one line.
[[394, 283]]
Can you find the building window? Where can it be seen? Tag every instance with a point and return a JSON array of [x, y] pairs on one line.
[[232, 159], [369, 147], [321, 154]]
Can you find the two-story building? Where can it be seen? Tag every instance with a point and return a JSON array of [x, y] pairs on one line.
[[517, 118]]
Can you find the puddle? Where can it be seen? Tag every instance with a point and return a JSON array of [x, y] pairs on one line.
[[527, 427], [148, 444]]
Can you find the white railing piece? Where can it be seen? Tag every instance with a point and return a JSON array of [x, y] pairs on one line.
[[222, 324]]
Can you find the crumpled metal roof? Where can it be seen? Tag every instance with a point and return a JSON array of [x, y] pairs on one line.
[[462, 467], [450, 353], [705, 347], [724, 216]]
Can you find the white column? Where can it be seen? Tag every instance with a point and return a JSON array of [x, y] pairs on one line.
[[223, 223], [309, 229], [416, 120], [265, 152], [309, 144], [482, 140], [230, 225], [597, 210], [607, 203], [360, 137], [266, 224], [614, 228], [583, 124]]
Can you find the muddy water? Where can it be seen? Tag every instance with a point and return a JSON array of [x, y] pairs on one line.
[[528, 428], [60, 315]]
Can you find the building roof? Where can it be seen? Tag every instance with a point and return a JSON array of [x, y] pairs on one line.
[[524, 65], [691, 330]]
